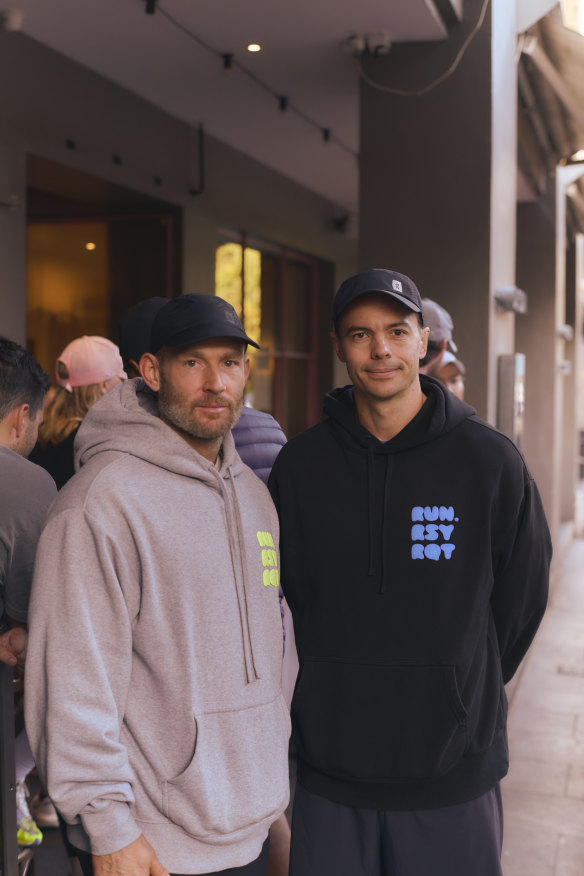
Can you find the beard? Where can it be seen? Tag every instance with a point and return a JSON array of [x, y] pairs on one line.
[[187, 417]]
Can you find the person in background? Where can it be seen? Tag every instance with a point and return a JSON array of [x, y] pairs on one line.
[[86, 369], [26, 492], [451, 372], [439, 321], [258, 440], [134, 332]]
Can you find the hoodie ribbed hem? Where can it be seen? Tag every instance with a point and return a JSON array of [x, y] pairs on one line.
[[181, 853], [470, 779], [175, 849]]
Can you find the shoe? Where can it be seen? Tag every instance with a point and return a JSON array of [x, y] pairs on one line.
[[43, 811], [28, 833]]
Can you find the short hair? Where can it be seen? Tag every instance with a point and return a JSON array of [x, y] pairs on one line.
[[22, 380], [432, 350]]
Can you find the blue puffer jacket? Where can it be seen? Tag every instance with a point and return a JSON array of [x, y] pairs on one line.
[[258, 439]]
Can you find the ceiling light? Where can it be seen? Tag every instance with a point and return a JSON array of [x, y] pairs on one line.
[[573, 15], [90, 246], [254, 47]]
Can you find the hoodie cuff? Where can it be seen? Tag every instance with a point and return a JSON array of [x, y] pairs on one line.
[[110, 828]]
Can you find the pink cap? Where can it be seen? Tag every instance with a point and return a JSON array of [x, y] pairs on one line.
[[90, 359]]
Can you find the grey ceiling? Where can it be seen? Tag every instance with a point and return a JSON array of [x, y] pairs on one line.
[[301, 58]]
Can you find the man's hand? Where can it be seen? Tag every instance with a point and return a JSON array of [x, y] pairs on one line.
[[137, 859], [13, 646]]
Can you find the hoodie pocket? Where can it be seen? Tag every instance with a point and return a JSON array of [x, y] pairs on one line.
[[377, 721], [238, 775]]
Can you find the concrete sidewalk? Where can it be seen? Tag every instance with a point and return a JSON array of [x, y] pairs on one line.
[[544, 791]]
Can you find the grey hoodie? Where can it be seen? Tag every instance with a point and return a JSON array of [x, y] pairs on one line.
[[153, 700]]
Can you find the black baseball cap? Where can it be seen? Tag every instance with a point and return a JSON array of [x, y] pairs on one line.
[[391, 283], [192, 318], [136, 328]]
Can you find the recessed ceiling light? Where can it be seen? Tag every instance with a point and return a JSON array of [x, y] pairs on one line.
[[90, 246], [254, 47]]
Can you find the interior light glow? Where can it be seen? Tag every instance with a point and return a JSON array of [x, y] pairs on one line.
[[577, 156], [90, 246], [254, 47], [573, 15]]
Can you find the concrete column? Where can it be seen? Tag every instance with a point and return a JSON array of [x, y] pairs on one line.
[[550, 271], [534, 333], [579, 380], [438, 181], [566, 308], [569, 448]]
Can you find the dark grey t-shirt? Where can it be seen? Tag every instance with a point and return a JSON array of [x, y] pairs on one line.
[[26, 491]]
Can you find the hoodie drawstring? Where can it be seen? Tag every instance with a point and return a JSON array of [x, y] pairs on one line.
[[371, 503], [239, 564], [384, 541], [383, 586]]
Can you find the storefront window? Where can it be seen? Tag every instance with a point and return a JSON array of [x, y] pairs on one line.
[[274, 292]]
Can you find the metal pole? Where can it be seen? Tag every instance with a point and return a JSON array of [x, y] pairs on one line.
[[8, 846]]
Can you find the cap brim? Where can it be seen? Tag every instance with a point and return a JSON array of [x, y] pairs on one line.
[[402, 300]]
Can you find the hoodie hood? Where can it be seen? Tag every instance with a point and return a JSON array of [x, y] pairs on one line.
[[126, 420], [441, 412]]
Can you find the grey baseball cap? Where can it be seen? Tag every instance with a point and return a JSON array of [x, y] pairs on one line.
[[439, 322], [192, 318]]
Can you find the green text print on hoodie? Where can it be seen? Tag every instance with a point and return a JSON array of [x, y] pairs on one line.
[[153, 701]]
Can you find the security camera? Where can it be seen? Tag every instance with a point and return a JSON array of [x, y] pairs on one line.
[[355, 44], [378, 44], [511, 298]]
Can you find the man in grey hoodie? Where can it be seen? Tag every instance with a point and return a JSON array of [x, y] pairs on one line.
[[153, 702]]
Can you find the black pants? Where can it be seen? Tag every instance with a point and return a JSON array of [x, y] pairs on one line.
[[329, 839], [259, 867]]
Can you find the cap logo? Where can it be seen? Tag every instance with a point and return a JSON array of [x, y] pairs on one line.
[[229, 313], [395, 284]]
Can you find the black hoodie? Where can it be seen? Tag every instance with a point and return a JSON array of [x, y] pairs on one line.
[[417, 575]]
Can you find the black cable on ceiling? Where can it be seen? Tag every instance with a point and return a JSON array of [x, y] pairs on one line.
[[229, 62]]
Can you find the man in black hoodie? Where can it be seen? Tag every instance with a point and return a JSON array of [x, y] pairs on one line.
[[415, 557]]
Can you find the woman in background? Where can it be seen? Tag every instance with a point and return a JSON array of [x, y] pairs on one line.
[[86, 369]]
